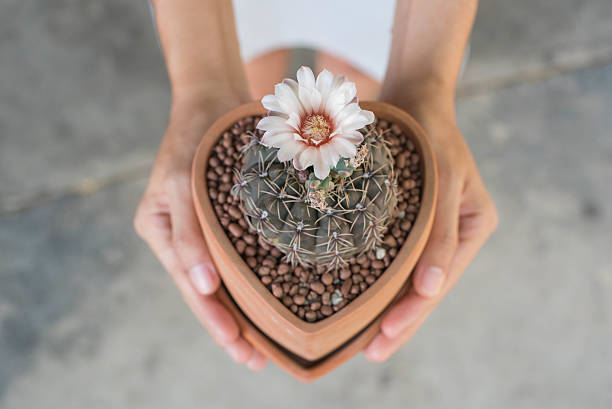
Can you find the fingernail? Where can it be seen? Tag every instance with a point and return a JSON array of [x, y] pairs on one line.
[[431, 281], [253, 361], [202, 277]]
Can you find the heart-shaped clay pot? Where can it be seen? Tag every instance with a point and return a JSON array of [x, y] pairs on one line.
[[309, 350]]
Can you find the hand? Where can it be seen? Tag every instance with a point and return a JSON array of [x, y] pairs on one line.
[[167, 221], [465, 218]]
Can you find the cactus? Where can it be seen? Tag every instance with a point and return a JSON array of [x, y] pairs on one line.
[[316, 222]]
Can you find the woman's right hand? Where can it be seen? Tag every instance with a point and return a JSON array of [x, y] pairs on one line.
[[167, 221]]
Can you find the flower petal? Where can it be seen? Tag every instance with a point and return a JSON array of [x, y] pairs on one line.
[[270, 102], [305, 158], [273, 123], [369, 115], [321, 168], [324, 82], [305, 95], [339, 97], [298, 137], [289, 149], [357, 121], [306, 82], [276, 139], [287, 98], [306, 78], [292, 84], [354, 137], [330, 155], [347, 111], [344, 147], [294, 121], [316, 99]]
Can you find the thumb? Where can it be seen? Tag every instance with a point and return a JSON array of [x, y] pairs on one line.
[[432, 268], [187, 238]]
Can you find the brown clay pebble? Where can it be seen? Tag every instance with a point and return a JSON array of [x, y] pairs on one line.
[[318, 287], [326, 310], [235, 230], [252, 262], [390, 241], [240, 246], [277, 290], [234, 212], [344, 274], [346, 286], [378, 264], [269, 262], [312, 295], [327, 278], [408, 184]]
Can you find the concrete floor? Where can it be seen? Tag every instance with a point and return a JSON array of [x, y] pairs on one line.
[[88, 319]]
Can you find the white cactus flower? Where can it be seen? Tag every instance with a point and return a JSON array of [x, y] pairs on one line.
[[314, 123]]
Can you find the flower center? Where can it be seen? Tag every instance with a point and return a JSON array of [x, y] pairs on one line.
[[316, 129]]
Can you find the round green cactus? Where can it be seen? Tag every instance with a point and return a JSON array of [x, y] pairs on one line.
[[319, 222]]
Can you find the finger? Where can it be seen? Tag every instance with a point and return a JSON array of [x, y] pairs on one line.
[[382, 346], [432, 268], [404, 313], [187, 237], [240, 351], [257, 361], [389, 340], [209, 311], [386, 343], [156, 231], [216, 318]]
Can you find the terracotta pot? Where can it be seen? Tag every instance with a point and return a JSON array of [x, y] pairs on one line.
[[309, 350]]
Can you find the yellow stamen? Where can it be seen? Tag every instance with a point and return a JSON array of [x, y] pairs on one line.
[[316, 129]]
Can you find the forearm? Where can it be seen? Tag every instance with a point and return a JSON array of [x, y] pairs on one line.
[[428, 43], [201, 49]]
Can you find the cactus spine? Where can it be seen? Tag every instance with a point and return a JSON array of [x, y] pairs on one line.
[[313, 222]]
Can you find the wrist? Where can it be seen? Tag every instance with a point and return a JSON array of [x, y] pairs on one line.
[[420, 97], [208, 96], [432, 107], [204, 104]]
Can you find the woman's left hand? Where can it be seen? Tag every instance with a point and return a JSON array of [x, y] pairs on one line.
[[464, 219]]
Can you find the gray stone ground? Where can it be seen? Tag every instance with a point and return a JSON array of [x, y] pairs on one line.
[[88, 319]]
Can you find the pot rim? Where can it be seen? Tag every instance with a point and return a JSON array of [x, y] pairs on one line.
[[294, 327]]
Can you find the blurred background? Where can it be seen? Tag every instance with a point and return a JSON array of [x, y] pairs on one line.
[[88, 318]]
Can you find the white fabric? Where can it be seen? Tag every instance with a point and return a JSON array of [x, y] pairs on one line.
[[358, 31]]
